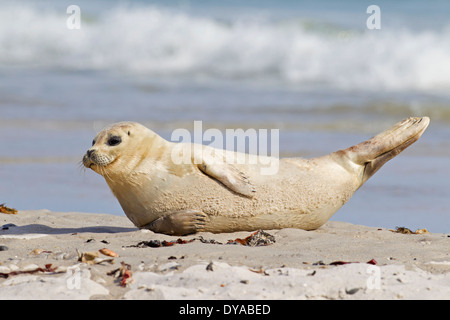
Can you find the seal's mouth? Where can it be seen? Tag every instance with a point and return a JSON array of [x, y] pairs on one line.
[[87, 161], [90, 164], [92, 160], [98, 161]]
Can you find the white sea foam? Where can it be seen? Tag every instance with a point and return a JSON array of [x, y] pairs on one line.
[[158, 42]]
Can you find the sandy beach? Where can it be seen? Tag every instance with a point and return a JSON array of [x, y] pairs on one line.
[[55, 255], [316, 71]]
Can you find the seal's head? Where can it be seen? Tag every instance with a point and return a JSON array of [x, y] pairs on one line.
[[118, 148]]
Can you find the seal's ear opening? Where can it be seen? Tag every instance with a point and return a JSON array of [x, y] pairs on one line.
[[128, 132]]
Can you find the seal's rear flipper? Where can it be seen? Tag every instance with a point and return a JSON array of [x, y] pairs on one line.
[[375, 152]]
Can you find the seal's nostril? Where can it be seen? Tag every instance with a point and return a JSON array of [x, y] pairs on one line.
[[90, 152]]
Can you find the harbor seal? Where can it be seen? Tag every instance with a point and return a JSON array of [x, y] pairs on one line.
[[210, 194]]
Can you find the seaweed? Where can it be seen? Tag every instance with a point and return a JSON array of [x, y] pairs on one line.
[[256, 239], [7, 210]]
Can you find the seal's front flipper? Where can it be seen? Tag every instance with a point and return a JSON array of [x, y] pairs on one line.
[[230, 176], [178, 223]]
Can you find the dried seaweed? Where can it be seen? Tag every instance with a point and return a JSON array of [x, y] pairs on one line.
[[92, 258], [123, 274], [7, 210], [256, 239], [404, 230], [159, 243], [340, 263]]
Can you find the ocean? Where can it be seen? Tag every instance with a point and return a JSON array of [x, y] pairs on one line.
[[314, 70]]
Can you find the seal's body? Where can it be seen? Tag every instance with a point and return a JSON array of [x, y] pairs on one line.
[[208, 193]]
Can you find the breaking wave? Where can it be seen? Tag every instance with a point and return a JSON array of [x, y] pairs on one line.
[[159, 42]]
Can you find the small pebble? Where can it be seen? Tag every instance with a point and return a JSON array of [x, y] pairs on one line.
[[3, 248], [209, 267], [351, 291]]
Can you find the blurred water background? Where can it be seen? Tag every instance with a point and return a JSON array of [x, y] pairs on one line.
[[311, 69]]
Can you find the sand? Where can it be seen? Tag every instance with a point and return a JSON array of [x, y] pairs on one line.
[[39, 259]]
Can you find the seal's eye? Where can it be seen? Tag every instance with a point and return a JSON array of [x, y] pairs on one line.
[[93, 142], [114, 141]]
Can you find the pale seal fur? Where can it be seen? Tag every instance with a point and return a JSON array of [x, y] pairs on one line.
[[157, 194]]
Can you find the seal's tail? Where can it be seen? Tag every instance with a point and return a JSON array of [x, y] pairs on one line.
[[375, 152]]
